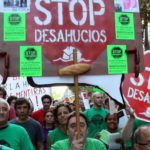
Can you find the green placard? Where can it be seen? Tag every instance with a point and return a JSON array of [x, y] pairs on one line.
[[117, 59], [104, 136], [14, 27], [124, 25], [30, 61]]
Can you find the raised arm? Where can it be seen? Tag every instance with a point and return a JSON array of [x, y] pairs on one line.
[[127, 131]]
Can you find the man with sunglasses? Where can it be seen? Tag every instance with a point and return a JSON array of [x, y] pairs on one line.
[[142, 137]]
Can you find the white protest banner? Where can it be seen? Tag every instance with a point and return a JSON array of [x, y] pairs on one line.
[[85, 100], [127, 6], [18, 86], [22, 6]]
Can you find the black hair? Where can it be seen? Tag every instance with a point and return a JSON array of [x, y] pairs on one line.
[[44, 121], [21, 101], [58, 106], [48, 97], [73, 114], [111, 114], [106, 101], [4, 92], [11, 98]]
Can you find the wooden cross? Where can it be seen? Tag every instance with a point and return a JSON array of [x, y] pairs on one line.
[[75, 70]]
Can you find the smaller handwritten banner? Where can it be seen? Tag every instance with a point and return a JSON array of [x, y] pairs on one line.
[[30, 61]]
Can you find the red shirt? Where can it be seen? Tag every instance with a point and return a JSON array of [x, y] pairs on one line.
[[39, 115], [12, 114]]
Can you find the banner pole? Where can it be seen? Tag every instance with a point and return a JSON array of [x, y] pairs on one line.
[[76, 96]]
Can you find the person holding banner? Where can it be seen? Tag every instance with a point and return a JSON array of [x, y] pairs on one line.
[[131, 126], [61, 113], [96, 115], [73, 143]]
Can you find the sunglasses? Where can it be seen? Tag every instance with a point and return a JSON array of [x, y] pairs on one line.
[[144, 144]]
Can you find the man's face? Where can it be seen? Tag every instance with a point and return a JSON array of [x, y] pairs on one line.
[[4, 114], [144, 143], [46, 103], [72, 131], [98, 100], [22, 111]]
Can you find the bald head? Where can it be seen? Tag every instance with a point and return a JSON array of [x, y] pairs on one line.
[[4, 113], [142, 137], [97, 100], [4, 102]]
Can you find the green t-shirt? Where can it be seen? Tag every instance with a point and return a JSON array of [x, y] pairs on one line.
[[15, 137], [91, 144], [128, 143], [96, 120], [57, 135], [137, 123], [5, 148]]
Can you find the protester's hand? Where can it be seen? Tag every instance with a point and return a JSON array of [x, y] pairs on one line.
[[119, 141], [77, 144], [130, 111], [97, 136]]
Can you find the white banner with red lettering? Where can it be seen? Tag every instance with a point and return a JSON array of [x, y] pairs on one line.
[[18, 86]]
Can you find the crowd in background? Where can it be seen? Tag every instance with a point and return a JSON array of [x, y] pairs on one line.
[[22, 128]]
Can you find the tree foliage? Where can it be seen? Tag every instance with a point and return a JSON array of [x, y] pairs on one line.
[[87, 89], [145, 11], [145, 19]]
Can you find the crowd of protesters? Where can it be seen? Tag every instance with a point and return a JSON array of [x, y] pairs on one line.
[[54, 127]]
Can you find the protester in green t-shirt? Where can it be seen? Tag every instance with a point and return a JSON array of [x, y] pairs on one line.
[[130, 127], [12, 135], [112, 121], [83, 143], [2, 147], [61, 113], [96, 115]]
